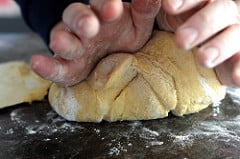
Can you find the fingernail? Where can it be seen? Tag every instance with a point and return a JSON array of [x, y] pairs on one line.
[[175, 4], [211, 54], [189, 36]]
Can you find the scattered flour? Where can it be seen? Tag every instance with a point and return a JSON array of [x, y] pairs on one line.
[[148, 134], [123, 141], [97, 131], [56, 124], [216, 130], [151, 133], [156, 143], [182, 140], [235, 94], [10, 131], [219, 129], [117, 149], [215, 111]]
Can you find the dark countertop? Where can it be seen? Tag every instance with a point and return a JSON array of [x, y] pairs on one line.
[[35, 131]]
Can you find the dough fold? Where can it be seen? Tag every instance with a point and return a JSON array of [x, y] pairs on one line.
[[158, 79]]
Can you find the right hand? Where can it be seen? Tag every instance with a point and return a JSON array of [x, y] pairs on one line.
[[213, 26]]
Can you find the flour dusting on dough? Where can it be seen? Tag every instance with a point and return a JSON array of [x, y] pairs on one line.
[[210, 92], [72, 105]]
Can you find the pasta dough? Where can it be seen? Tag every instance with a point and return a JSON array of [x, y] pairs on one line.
[[158, 79], [19, 84]]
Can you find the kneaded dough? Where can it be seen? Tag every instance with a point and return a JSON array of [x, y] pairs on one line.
[[19, 84], [158, 79]]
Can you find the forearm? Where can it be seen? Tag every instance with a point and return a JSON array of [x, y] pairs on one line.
[[42, 15]]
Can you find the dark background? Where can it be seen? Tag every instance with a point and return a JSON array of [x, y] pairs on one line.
[[13, 24]]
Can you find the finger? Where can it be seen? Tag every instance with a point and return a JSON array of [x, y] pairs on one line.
[[81, 20], [236, 72], [220, 48], [107, 10], [206, 23], [169, 22], [180, 6], [65, 44], [62, 72], [229, 72], [238, 4], [169, 18], [143, 13]]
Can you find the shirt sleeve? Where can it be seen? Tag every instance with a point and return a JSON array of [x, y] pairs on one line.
[[42, 15]]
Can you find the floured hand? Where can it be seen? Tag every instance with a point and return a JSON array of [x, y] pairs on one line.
[[89, 32]]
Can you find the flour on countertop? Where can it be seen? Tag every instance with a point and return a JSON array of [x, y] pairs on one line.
[[116, 149], [235, 94], [118, 141], [217, 130], [182, 140], [137, 130], [56, 124], [10, 131]]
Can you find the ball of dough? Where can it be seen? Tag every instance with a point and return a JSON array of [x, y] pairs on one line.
[[158, 79]]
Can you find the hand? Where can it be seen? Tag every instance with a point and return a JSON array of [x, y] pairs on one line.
[[213, 26], [89, 32]]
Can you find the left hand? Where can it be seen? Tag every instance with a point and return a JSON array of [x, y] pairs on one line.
[[213, 26], [97, 29]]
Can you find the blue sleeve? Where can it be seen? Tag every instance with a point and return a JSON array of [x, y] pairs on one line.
[[42, 15]]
